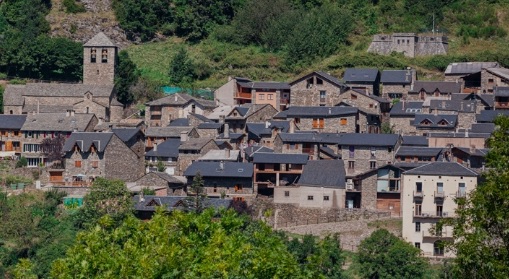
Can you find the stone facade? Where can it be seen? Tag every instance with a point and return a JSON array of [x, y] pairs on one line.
[[365, 158], [227, 186], [364, 102], [410, 44], [403, 125], [263, 114], [101, 69], [340, 124], [394, 91], [315, 91], [152, 179], [186, 158], [489, 81]]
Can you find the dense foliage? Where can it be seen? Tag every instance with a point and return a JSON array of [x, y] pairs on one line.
[[383, 255], [126, 76], [182, 69], [481, 229], [1, 99]]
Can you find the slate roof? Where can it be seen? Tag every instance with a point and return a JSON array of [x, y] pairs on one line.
[[451, 120], [174, 203], [169, 132], [179, 122], [490, 115], [353, 75], [409, 165], [257, 130], [454, 105], [328, 151], [460, 134], [167, 149], [180, 99], [474, 152], [168, 178], [486, 99], [418, 151], [194, 144], [414, 141], [369, 139], [45, 109], [465, 68], [410, 108], [213, 169], [250, 150], [266, 85], [125, 134], [210, 125], [99, 40], [501, 91], [482, 128], [13, 95], [313, 174], [201, 117], [431, 86], [325, 112], [12, 122], [57, 122], [396, 77], [85, 140], [220, 155], [442, 168], [66, 90], [501, 72], [373, 97], [333, 80], [280, 158], [300, 137]]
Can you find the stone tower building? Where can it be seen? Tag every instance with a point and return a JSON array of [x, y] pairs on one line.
[[99, 61], [410, 44]]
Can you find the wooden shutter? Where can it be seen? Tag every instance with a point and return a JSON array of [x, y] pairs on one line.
[[322, 122]]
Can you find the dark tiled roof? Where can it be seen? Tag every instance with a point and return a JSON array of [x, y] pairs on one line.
[[150, 203], [194, 144], [300, 137], [85, 140], [451, 120], [490, 115], [414, 141], [396, 77], [57, 122], [213, 169], [209, 125], [64, 90], [13, 95], [501, 72], [465, 68], [353, 75], [180, 99], [483, 128], [333, 80], [254, 149], [201, 117], [258, 129], [369, 139], [486, 99], [279, 158], [170, 132], [418, 151], [474, 152], [313, 174], [125, 134], [266, 85], [442, 168], [431, 86], [319, 111], [179, 122], [460, 134], [166, 149], [501, 91], [12, 122], [406, 108], [99, 40], [328, 151], [45, 109], [409, 165], [453, 105]]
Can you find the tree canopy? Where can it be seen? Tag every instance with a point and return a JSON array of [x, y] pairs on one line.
[[126, 76]]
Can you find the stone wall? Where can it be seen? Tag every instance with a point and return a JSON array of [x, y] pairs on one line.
[[331, 124], [465, 120], [264, 114], [121, 162], [369, 191], [303, 95], [99, 73], [487, 86], [402, 125], [391, 88], [358, 100], [208, 133], [362, 157], [410, 44]]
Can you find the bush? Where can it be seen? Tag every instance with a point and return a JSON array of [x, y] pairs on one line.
[[72, 7], [22, 162]]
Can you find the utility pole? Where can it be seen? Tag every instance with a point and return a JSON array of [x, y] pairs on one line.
[[433, 24]]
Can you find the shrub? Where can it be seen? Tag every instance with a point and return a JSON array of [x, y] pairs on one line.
[[22, 162], [72, 7]]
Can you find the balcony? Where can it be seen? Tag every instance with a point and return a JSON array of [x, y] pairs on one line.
[[284, 101], [445, 233], [241, 95], [501, 105], [439, 195], [323, 100], [433, 214], [461, 194], [418, 194]]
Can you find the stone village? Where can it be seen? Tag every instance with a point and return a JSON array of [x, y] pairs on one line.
[[370, 142]]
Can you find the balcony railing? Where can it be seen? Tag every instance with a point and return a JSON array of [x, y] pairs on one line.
[[242, 95], [439, 195], [418, 194], [445, 233], [433, 214], [461, 194]]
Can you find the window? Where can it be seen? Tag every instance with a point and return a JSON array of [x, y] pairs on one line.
[[351, 165], [261, 97], [270, 96], [319, 81], [93, 55], [440, 187], [418, 209], [318, 123], [343, 121], [490, 80], [418, 187], [372, 165], [351, 151], [323, 95], [31, 147], [104, 56], [77, 164], [373, 152], [461, 189], [438, 248], [440, 211], [417, 226], [297, 120], [292, 146], [95, 164], [261, 167], [417, 245], [33, 162], [287, 193], [310, 198], [215, 188], [325, 198], [353, 97], [370, 105], [238, 187]]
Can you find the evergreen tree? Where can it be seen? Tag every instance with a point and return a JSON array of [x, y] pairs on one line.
[[126, 77], [198, 195], [181, 71]]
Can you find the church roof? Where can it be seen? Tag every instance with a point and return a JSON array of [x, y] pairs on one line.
[[60, 90], [100, 40]]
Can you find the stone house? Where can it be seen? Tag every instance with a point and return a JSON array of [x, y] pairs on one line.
[[160, 112], [209, 129], [429, 194], [316, 89], [38, 127], [315, 189], [411, 154], [276, 170], [423, 89], [466, 110], [96, 95], [265, 133], [163, 184], [11, 138], [396, 83], [468, 74], [133, 138], [501, 96], [91, 155], [365, 80], [402, 116], [166, 152], [317, 146], [371, 104], [363, 152], [191, 150], [323, 119], [249, 113], [483, 101], [488, 116], [157, 135], [410, 44], [429, 123], [230, 179], [494, 77], [470, 157]]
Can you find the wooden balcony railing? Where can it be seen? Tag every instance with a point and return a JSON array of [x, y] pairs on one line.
[[242, 95]]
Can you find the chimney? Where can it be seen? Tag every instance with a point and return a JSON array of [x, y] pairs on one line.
[[436, 111], [226, 133], [100, 121], [176, 98], [227, 153], [221, 165], [142, 198], [461, 106], [472, 149], [443, 104], [67, 113], [330, 110], [403, 102], [183, 136], [37, 106], [292, 127], [221, 118], [267, 124], [466, 133], [155, 147], [72, 112]]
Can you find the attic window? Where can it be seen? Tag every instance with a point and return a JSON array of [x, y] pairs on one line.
[[443, 122], [426, 122], [319, 81]]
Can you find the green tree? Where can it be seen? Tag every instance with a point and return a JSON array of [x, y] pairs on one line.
[[106, 197], [179, 245], [383, 255], [181, 70], [1, 99], [126, 76], [481, 229], [198, 194]]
